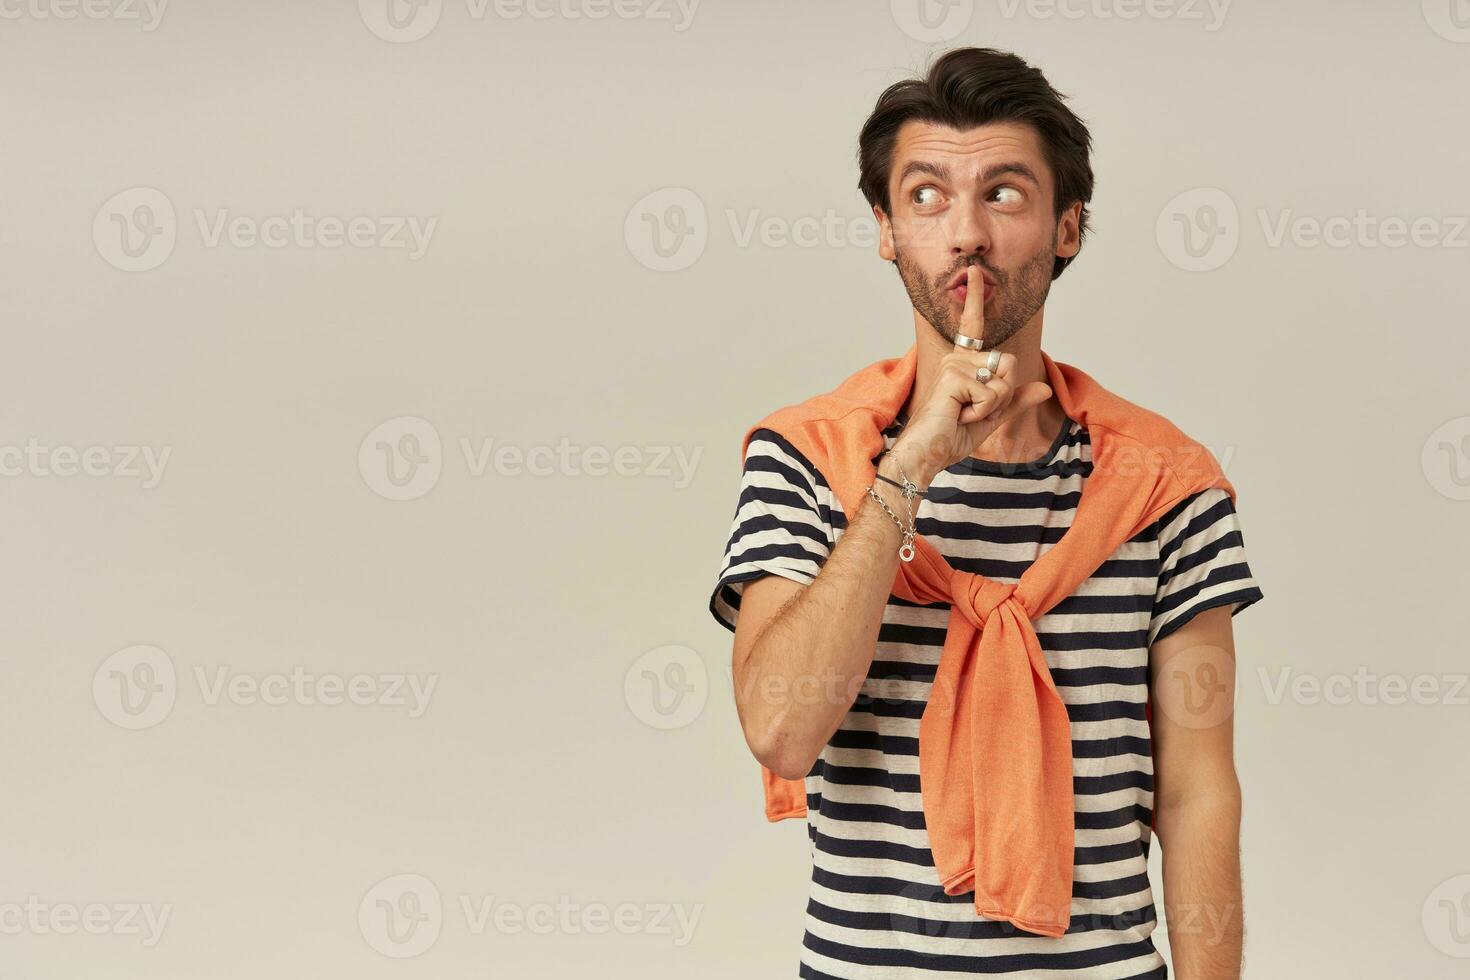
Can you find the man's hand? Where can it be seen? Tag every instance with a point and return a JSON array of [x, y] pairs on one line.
[[961, 413]]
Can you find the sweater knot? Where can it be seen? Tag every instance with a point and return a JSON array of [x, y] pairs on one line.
[[976, 596]]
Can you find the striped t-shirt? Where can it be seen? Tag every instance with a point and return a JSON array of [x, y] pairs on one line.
[[875, 908]]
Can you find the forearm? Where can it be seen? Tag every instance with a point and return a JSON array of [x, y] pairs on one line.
[[1203, 910], [807, 667]]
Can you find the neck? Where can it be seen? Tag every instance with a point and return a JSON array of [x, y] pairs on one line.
[[1023, 437]]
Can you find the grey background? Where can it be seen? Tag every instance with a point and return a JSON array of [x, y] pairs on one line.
[[1330, 380]]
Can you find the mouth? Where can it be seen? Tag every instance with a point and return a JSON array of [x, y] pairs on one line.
[[960, 290]]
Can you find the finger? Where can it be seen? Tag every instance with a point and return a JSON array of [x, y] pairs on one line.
[[1026, 397], [987, 406], [965, 367], [972, 319], [988, 401], [971, 359], [975, 399], [957, 383]]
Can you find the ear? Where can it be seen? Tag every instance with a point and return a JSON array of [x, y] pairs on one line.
[[885, 235], [1069, 238]]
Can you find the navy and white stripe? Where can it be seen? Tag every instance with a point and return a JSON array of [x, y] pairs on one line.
[[875, 909]]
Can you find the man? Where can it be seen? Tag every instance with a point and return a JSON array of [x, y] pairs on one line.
[[979, 178]]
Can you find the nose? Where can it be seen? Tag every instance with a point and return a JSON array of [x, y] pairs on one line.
[[970, 231]]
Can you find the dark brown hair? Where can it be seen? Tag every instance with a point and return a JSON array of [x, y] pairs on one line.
[[969, 87]]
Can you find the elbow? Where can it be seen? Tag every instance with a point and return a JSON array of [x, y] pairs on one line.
[[794, 770], [774, 750]]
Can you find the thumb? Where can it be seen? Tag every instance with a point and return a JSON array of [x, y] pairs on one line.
[[1030, 394], [1026, 397]]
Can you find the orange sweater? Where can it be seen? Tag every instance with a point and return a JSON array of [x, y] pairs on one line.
[[995, 744]]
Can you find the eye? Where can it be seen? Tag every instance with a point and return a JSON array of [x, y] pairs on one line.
[[918, 198], [1008, 194]]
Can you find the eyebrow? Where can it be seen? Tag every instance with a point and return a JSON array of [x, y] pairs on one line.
[[941, 172]]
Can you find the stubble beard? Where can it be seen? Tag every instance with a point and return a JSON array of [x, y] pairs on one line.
[[1025, 291]]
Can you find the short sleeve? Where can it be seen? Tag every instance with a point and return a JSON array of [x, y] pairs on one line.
[[782, 524], [1202, 562]]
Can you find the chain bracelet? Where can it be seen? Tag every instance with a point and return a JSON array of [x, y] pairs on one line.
[[910, 491]]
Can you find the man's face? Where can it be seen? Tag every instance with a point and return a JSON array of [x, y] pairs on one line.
[[980, 197]]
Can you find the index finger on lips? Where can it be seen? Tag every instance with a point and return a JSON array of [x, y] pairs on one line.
[[972, 319]]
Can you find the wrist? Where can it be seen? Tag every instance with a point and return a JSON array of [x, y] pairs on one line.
[[899, 506], [900, 462], [903, 507]]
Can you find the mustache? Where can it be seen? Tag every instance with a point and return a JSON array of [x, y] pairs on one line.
[[995, 274]]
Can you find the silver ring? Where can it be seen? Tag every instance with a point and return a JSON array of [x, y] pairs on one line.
[[983, 374], [969, 342], [993, 362]]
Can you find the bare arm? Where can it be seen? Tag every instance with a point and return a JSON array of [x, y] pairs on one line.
[[802, 652], [1197, 803]]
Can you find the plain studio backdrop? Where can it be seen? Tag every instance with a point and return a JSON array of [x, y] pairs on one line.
[[371, 391]]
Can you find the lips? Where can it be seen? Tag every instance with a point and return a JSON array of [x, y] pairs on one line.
[[960, 289], [959, 279]]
